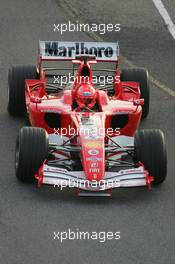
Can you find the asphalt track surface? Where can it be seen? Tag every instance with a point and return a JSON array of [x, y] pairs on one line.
[[29, 216]]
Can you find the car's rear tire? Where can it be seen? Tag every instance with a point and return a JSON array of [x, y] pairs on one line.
[[31, 151], [141, 76], [150, 149], [16, 88]]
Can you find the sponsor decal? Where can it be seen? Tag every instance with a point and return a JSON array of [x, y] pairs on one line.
[[134, 170], [93, 144], [50, 111], [93, 152], [95, 176], [69, 50], [121, 112], [90, 136], [96, 170], [55, 169], [94, 164], [94, 159]]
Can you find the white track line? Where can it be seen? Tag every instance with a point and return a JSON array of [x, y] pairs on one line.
[[166, 17], [67, 7]]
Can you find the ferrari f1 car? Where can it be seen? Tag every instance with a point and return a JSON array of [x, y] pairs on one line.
[[82, 134]]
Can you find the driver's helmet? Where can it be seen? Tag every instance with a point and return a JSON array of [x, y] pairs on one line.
[[86, 96]]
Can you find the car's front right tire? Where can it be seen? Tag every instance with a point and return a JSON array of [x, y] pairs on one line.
[[150, 150], [141, 76]]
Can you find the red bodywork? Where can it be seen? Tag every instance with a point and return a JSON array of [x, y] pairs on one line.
[[119, 114]]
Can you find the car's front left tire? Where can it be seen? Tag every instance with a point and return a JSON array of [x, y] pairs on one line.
[[31, 151], [16, 88]]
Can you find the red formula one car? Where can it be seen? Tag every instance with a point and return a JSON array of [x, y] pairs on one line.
[[83, 134]]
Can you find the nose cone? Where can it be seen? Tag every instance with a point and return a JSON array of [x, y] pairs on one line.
[[91, 127], [93, 159]]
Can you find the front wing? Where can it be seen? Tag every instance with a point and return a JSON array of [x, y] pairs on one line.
[[62, 178]]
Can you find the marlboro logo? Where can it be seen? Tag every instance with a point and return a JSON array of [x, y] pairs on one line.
[[69, 50]]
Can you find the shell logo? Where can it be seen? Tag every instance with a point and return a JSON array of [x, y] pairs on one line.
[[93, 144]]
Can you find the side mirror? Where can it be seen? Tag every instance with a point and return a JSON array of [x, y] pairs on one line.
[[139, 102]]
